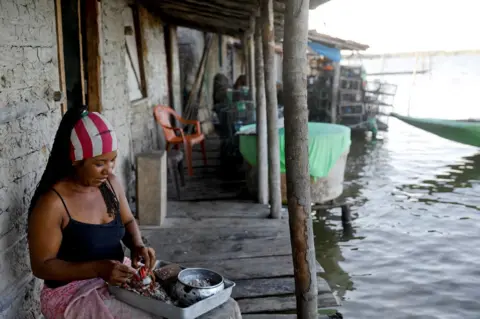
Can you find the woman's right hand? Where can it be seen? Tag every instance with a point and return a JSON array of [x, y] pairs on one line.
[[114, 272]]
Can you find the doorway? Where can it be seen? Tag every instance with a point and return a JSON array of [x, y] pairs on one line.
[[78, 40], [73, 27]]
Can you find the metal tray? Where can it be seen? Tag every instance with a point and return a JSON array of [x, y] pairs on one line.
[[162, 309]]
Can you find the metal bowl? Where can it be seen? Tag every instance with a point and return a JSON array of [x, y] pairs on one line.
[[195, 284]]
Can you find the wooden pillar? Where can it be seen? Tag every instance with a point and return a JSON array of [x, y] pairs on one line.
[[335, 85], [272, 109], [61, 59], [296, 155], [173, 70], [94, 82], [262, 154], [251, 67]]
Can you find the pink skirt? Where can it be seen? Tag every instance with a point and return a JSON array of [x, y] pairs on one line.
[[85, 299]]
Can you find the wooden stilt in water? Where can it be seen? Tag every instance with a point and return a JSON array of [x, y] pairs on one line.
[[296, 156], [272, 109], [262, 154], [346, 216]]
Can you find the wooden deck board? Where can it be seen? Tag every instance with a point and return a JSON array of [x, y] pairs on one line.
[[169, 236], [218, 209], [236, 240], [251, 268], [186, 223], [252, 288], [281, 304], [274, 316], [222, 250]]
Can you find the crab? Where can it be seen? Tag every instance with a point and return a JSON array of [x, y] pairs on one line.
[[143, 280], [143, 283], [145, 276]]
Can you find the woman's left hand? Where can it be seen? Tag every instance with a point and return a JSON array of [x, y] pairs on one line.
[[145, 253]]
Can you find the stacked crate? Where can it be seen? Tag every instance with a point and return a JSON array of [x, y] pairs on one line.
[[350, 95]]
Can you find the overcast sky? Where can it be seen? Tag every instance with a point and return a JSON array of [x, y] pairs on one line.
[[401, 25]]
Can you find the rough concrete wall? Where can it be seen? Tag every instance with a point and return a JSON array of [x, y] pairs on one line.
[[190, 45], [28, 122], [146, 135], [136, 129], [144, 129], [29, 119], [115, 98], [239, 65]]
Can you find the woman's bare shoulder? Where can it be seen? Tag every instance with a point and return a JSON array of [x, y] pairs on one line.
[[49, 206], [116, 184]]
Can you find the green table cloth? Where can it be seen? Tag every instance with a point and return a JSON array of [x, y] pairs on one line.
[[326, 142]]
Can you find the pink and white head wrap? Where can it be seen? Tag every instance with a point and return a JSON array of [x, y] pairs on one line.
[[93, 135]]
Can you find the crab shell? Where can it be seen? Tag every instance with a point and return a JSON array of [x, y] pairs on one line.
[[144, 276]]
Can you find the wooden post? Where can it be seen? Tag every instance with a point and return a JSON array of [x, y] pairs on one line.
[[262, 155], [173, 70], [61, 59], [251, 67], [335, 85], [296, 155], [272, 109], [94, 82]]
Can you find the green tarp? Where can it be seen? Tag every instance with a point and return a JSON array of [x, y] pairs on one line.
[[326, 142], [464, 132]]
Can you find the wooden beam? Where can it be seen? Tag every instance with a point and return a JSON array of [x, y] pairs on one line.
[[251, 66], [94, 83], [141, 45], [61, 59], [227, 9], [272, 108], [296, 158], [173, 69], [226, 18], [262, 154], [80, 42], [202, 24]]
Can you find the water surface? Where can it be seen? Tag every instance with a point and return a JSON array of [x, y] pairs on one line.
[[414, 250]]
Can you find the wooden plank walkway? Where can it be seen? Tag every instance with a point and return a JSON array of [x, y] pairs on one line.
[[238, 241], [207, 182]]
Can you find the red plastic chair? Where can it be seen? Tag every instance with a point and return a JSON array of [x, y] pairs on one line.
[[162, 116]]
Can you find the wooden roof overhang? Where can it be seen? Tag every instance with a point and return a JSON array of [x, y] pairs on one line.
[[334, 42], [229, 17]]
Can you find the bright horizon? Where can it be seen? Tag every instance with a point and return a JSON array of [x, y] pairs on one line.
[[401, 26]]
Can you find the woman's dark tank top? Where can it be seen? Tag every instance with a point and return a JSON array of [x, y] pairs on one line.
[[84, 242]]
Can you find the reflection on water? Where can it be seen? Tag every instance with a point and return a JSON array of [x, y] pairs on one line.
[[413, 249]]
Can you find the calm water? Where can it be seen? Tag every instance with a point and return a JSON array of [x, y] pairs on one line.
[[414, 250]]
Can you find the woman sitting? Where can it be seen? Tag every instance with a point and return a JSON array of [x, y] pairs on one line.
[[78, 217]]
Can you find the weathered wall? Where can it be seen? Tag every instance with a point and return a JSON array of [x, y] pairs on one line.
[[190, 46], [136, 129], [145, 134], [115, 98], [28, 121]]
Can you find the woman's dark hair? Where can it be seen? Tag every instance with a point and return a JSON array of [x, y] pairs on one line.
[[59, 165]]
